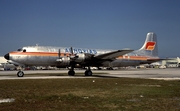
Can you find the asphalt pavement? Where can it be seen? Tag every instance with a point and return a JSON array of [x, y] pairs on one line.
[[165, 74]]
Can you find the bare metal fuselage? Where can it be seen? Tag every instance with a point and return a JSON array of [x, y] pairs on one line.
[[48, 56]]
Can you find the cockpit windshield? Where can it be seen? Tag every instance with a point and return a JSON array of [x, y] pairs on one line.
[[19, 49]]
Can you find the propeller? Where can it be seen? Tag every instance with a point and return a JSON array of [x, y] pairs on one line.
[[71, 50], [73, 56], [59, 56]]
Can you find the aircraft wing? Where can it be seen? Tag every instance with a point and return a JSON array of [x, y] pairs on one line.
[[15, 63], [113, 54]]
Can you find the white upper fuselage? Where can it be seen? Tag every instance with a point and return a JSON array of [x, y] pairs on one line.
[[63, 50]]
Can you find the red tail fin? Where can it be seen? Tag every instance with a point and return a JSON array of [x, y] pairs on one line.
[[150, 45]]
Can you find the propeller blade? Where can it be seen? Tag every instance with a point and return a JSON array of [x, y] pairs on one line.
[[59, 54], [71, 50]]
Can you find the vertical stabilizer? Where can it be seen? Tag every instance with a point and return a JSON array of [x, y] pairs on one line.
[[150, 47]]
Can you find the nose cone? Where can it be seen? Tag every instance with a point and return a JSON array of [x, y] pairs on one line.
[[6, 56]]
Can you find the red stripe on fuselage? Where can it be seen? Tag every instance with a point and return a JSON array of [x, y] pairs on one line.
[[40, 53]]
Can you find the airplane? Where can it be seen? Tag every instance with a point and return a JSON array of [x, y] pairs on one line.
[[71, 57]]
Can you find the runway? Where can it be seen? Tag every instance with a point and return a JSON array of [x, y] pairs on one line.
[[165, 74]]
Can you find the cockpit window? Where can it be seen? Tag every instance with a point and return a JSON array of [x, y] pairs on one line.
[[24, 50], [19, 50]]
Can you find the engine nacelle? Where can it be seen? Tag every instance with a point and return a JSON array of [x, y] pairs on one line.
[[82, 57], [64, 61]]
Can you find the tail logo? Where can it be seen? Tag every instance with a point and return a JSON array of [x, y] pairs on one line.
[[150, 45]]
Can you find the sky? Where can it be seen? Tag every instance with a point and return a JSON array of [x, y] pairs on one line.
[[95, 24]]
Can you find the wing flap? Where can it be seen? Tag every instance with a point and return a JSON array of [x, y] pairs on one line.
[[113, 54]]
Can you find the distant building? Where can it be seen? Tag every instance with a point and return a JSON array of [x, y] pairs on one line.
[[2, 60], [4, 65], [171, 62]]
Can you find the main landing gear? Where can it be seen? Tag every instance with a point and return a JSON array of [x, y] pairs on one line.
[[88, 72], [71, 72]]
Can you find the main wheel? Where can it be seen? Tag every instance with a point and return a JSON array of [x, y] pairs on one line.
[[71, 73], [20, 74], [88, 73]]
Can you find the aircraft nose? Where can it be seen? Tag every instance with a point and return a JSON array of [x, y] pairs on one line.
[[6, 56]]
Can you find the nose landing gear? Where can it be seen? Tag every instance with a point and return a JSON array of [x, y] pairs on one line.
[[20, 73]]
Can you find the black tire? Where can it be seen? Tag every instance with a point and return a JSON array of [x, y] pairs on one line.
[[88, 73], [71, 73], [20, 74]]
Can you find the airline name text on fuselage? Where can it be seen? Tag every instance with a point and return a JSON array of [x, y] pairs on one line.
[[77, 50]]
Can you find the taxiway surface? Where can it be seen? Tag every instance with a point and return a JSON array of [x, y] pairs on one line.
[[165, 74]]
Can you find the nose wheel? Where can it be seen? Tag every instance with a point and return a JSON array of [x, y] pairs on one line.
[[20, 74]]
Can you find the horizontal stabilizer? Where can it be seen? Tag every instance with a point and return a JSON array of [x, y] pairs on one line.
[[157, 59]]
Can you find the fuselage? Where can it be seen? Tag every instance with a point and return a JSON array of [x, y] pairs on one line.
[[48, 56]]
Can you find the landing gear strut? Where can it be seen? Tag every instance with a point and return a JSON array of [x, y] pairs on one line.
[[71, 71]]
